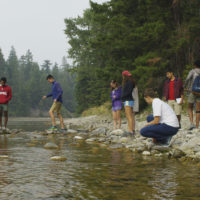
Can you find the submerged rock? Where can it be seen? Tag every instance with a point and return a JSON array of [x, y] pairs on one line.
[[71, 131], [58, 158], [50, 146], [91, 140], [177, 153]]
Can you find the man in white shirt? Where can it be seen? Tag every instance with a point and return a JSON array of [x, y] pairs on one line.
[[163, 124]]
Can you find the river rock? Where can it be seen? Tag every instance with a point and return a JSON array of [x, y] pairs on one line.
[[177, 153], [123, 140], [58, 158], [3, 156], [99, 131], [118, 132], [78, 138], [160, 148], [91, 140], [50, 146], [71, 131], [146, 153], [116, 146]]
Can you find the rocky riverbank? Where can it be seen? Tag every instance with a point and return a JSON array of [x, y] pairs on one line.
[[94, 129]]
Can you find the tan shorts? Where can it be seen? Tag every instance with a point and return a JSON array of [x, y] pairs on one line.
[[56, 107], [193, 98], [175, 106]]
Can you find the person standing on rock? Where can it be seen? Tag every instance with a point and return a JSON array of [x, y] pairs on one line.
[[163, 124], [173, 93], [56, 94], [193, 97], [5, 97], [128, 84], [116, 103]]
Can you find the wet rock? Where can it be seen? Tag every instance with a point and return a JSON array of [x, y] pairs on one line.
[[160, 148], [78, 138], [50, 146], [91, 140], [158, 155], [58, 158], [71, 131], [116, 146], [3, 156], [146, 153], [177, 153], [31, 145], [123, 140], [101, 139], [99, 131]]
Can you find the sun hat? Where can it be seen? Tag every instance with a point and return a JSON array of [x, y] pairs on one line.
[[126, 73]]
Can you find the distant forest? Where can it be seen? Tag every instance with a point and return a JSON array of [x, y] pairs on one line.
[[28, 82], [143, 36]]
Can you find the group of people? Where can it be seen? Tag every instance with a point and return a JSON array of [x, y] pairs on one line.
[[166, 118]]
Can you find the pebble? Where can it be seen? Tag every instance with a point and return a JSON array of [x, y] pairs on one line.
[[50, 146], [58, 158], [78, 138], [146, 153]]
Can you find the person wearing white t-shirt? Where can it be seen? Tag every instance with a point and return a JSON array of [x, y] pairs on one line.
[[163, 124]]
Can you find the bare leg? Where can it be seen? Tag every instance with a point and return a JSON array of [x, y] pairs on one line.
[[0, 118], [133, 121], [129, 116], [119, 118], [61, 121], [190, 112], [114, 113], [197, 114], [179, 119], [52, 118], [5, 118]]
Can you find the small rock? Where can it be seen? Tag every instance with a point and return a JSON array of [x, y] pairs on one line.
[[146, 153], [124, 140], [99, 131], [91, 140], [177, 153], [58, 158], [118, 132], [71, 131], [50, 146], [3, 156], [116, 146], [78, 138]]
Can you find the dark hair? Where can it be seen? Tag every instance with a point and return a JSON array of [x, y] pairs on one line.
[[50, 77], [114, 82], [128, 78], [4, 79], [149, 92], [197, 63]]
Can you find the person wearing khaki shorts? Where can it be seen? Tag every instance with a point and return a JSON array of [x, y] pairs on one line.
[[175, 106], [56, 107], [173, 93]]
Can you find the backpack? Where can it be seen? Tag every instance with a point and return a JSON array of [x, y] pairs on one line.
[[196, 86]]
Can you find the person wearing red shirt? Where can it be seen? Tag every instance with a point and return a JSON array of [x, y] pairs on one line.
[[5, 97], [173, 93]]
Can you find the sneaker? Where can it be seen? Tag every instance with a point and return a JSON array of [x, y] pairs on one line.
[[192, 126], [53, 128], [128, 134]]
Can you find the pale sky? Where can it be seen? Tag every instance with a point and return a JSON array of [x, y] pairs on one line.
[[38, 25]]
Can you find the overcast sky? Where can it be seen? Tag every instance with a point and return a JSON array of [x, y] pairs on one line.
[[38, 25]]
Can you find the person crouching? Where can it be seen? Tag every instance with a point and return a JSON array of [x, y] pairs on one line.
[[163, 124]]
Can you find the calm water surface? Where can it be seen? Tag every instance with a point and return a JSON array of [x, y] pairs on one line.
[[90, 172]]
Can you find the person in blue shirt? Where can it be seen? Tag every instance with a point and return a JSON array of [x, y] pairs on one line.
[[56, 94]]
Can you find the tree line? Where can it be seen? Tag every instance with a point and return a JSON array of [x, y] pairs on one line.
[[28, 82], [146, 37]]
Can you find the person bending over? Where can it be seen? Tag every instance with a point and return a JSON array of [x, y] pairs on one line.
[[163, 124], [56, 94]]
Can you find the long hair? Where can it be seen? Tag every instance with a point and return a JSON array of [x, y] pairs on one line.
[[114, 82], [128, 78]]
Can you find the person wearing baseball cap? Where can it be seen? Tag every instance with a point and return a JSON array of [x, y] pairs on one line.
[[128, 84]]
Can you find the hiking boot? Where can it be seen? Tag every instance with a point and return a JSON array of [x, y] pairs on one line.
[[192, 126]]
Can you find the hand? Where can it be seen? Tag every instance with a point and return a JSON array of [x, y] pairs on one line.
[[181, 102], [44, 97], [147, 124], [55, 100], [114, 96], [164, 98]]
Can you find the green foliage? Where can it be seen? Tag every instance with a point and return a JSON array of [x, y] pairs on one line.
[[143, 36], [29, 84]]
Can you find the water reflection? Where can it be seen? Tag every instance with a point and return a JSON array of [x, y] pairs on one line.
[[90, 172]]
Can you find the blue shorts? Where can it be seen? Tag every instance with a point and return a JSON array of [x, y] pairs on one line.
[[116, 108], [128, 103]]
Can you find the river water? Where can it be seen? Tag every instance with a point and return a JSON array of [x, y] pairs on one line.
[[89, 173]]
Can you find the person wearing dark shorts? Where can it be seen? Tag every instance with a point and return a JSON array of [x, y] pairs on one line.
[[5, 97]]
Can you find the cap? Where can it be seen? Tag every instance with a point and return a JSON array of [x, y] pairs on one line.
[[126, 73]]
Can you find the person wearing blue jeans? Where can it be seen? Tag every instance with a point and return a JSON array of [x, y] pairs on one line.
[[163, 124]]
